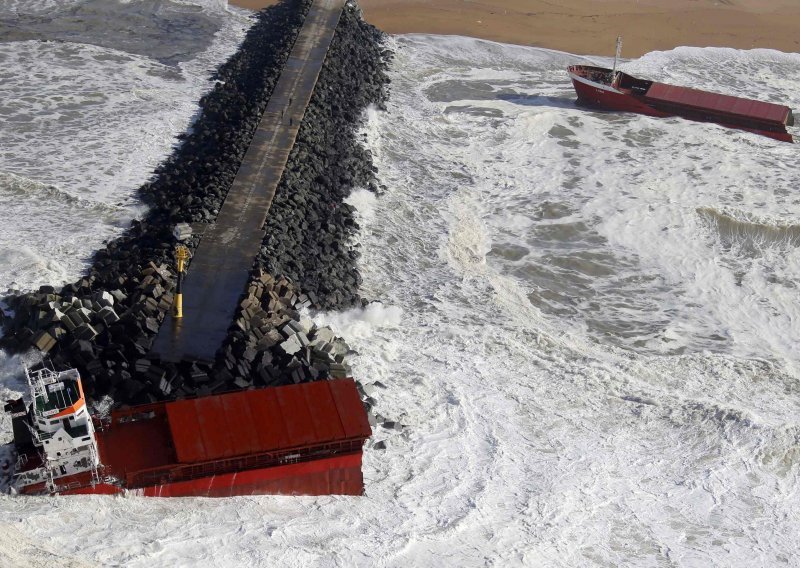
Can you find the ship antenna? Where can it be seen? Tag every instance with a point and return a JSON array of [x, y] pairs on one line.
[[616, 56]]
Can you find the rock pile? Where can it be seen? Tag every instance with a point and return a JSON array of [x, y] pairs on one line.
[[101, 325], [192, 184], [310, 229], [272, 344], [104, 324]]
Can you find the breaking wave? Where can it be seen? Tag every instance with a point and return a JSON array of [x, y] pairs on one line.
[[748, 234]]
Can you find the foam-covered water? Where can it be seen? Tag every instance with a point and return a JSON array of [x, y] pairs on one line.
[[88, 112], [587, 325]]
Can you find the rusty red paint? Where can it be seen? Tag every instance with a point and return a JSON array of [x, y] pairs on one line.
[[299, 439], [715, 102], [266, 420], [340, 475]]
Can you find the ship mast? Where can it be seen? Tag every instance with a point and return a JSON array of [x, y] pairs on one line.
[[616, 56]]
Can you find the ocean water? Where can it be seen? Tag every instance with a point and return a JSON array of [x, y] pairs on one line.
[[587, 321], [93, 95]]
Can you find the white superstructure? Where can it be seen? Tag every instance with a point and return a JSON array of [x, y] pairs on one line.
[[61, 429]]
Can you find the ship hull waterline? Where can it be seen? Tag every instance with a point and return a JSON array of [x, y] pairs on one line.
[[601, 97], [338, 475]]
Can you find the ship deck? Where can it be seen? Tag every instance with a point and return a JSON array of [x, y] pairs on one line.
[[253, 430], [129, 447]]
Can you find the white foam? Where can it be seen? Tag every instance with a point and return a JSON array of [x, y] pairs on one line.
[[364, 201], [361, 322], [84, 127], [531, 437]]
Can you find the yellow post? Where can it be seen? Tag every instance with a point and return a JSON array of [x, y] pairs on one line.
[[181, 255]]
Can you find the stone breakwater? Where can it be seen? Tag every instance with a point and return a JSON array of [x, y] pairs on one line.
[[104, 324], [310, 229]]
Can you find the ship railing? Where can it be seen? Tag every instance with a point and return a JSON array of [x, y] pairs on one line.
[[22, 461], [186, 472], [135, 413], [70, 485], [38, 436]]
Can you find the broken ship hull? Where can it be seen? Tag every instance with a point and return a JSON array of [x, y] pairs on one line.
[[600, 88], [303, 439], [339, 475]]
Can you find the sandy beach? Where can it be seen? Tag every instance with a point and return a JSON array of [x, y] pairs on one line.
[[591, 26]]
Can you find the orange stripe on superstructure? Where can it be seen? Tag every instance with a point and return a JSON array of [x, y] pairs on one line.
[[70, 409]]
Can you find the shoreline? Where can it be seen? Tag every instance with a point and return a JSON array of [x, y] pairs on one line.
[[590, 27]]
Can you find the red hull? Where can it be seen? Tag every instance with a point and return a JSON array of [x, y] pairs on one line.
[[610, 100], [301, 439], [340, 475], [606, 97]]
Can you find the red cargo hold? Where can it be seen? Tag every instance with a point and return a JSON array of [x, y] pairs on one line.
[[266, 420], [614, 90], [717, 103], [301, 439]]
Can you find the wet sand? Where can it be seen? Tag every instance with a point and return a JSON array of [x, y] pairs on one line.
[[591, 26]]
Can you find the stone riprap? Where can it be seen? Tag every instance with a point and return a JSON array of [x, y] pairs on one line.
[[310, 229], [104, 323]]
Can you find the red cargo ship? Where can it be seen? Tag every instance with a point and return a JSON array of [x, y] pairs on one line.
[[303, 439], [614, 90]]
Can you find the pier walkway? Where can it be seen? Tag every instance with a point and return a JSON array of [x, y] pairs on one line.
[[222, 262]]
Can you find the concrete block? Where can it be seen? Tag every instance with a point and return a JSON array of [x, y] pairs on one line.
[[242, 369], [338, 371], [290, 328], [306, 324], [86, 332], [324, 334], [74, 318], [108, 315], [292, 345], [105, 298], [320, 357], [44, 342], [162, 270], [199, 376], [249, 354], [118, 295], [302, 338], [151, 324], [340, 347], [182, 231], [84, 347]]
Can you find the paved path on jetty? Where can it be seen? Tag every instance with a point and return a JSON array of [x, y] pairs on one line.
[[222, 262]]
